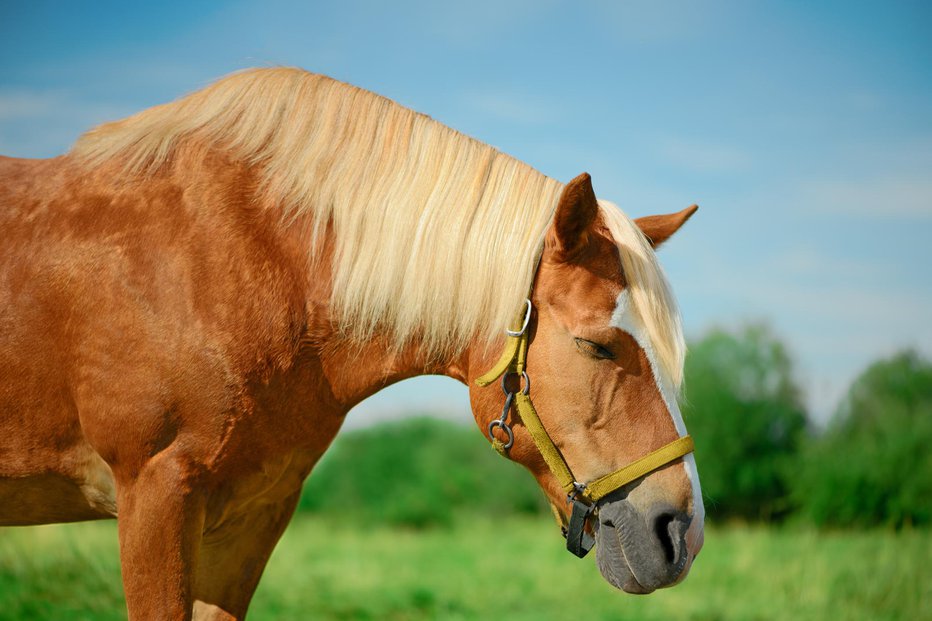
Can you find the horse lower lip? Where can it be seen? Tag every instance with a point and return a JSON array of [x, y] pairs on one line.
[[616, 569]]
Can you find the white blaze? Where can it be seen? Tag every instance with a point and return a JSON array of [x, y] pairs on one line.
[[626, 320]]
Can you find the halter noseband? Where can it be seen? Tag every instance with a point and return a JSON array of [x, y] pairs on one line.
[[583, 496]]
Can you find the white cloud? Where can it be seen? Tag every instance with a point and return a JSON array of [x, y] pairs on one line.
[[41, 123], [661, 22], [467, 24], [809, 262], [836, 313], [703, 157], [890, 195], [512, 107], [23, 104]]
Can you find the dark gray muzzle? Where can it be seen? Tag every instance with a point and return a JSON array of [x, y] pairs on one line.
[[637, 552]]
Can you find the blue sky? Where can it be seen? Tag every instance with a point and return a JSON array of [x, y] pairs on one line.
[[803, 130]]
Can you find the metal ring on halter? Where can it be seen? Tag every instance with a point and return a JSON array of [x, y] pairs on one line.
[[504, 426], [527, 319], [500, 421], [527, 383]]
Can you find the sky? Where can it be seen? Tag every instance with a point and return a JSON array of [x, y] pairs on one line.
[[802, 129]]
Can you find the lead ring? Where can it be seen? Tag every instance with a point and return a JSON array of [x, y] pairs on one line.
[[527, 383], [500, 423]]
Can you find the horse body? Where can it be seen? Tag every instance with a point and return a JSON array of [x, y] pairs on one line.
[[172, 355], [138, 344]]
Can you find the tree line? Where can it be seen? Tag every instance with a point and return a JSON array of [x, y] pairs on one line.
[[760, 457]]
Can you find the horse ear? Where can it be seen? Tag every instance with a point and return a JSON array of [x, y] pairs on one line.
[[576, 211], [659, 229]]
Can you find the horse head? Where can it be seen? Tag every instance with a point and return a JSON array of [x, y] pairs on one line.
[[604, 354]]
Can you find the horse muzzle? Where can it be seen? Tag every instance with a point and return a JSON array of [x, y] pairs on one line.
[[640, 552]]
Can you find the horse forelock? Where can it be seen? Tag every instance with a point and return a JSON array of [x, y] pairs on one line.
[[652, 304]]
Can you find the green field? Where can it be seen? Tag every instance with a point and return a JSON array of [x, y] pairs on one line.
[[514, 569]]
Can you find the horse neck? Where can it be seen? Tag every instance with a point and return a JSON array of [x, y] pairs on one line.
[[354, 369], [350, 370]]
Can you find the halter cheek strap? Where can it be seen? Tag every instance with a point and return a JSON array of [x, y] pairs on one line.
[[582, 496]]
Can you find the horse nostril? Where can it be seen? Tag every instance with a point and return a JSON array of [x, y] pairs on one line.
[[663, 530]]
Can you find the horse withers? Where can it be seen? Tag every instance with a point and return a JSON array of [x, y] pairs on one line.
[[193, 298]]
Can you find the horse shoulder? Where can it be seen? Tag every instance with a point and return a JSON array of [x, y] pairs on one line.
[[141, 321]]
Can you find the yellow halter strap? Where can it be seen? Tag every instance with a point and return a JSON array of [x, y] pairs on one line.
[[584, 496]]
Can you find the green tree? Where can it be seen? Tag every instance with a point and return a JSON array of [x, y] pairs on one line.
[[873, 464], [745, 412], [417, 473]]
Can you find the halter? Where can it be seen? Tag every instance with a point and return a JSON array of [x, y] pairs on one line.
[[582, 496]]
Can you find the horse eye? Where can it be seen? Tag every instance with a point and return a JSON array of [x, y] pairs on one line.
[[594, 349]]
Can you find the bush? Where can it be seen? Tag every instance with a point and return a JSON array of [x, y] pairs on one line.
[[873, 465], [745, 413], [417, 473]]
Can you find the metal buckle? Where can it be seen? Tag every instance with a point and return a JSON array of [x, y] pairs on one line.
[[527, 319], [578, 489]]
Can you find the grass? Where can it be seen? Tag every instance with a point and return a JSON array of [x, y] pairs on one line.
[[513, 569]]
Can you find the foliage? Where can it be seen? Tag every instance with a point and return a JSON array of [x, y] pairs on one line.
[[513, 568], [745, 413], [417, 473], [873, 465]]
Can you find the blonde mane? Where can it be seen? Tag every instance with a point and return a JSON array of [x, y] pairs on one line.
[[437, 235]]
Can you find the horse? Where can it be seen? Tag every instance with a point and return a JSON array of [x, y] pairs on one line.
[[192, 299]]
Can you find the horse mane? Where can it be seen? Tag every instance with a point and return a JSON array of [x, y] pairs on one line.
[[437, 235]]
